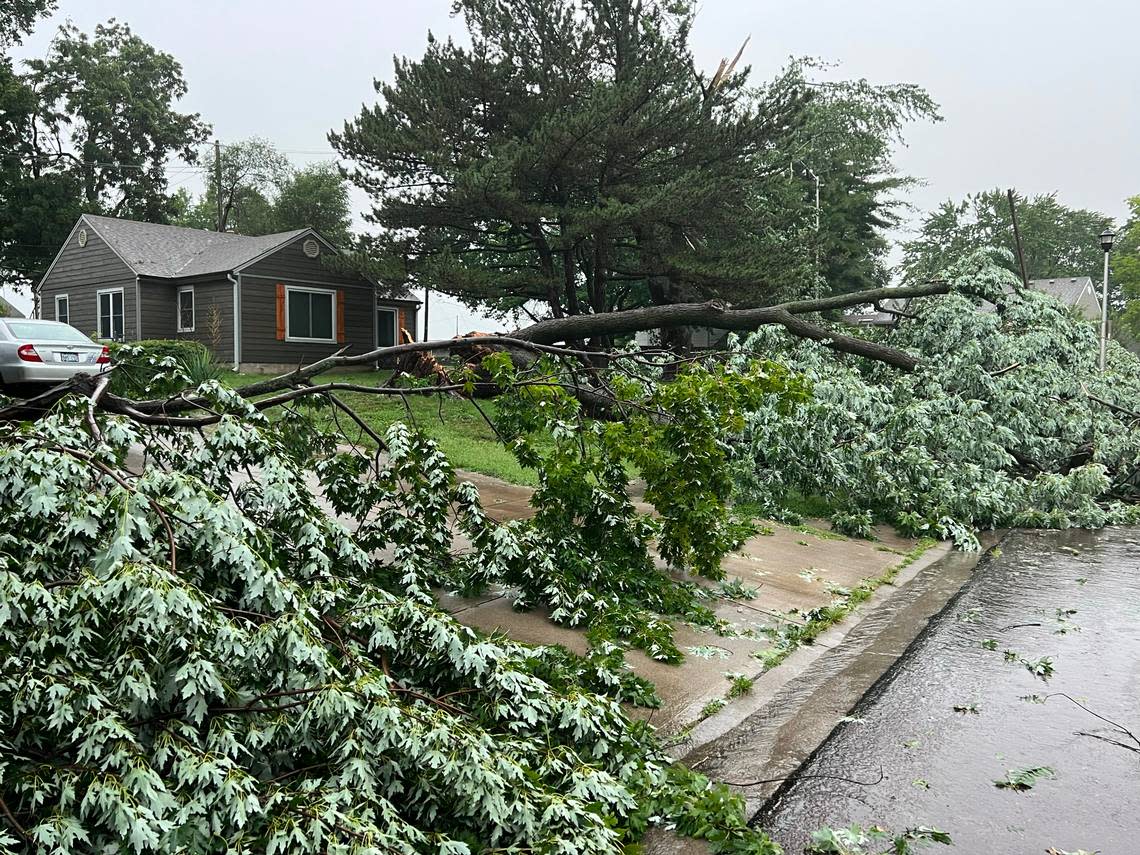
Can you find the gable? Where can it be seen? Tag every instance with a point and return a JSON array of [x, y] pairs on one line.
[[289, 261], [94, 262]]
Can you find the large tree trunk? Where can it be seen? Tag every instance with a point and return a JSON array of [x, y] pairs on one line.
[[541, 337]]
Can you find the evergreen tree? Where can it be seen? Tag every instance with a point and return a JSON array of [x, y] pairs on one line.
[[574, 154]]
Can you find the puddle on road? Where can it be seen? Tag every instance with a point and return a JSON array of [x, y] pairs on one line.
[[1082, 589]]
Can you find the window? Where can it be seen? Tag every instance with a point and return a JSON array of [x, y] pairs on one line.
[[385, 327], [186, 309], [62, 309], [111, 314], [309, 315]]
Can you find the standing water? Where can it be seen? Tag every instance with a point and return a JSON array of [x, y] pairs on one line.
[[976, 698]]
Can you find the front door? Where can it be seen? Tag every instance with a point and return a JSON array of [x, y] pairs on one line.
[[385, 327]]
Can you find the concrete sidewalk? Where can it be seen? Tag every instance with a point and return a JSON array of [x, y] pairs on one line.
[[794, 570]]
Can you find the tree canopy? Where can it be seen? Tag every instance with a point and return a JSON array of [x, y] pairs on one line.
[[574, 155], [1125, 269], [846, 141], [1057, 240], [17, 17], [91, 127], [263, 193]]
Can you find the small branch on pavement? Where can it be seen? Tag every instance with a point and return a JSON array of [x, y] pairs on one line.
[[1117, 725], [784, 778]]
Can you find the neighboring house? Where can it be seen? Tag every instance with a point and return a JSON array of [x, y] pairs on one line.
[[885, 313], [700, 338], [259, 303], [7, 310], [1074, 292]]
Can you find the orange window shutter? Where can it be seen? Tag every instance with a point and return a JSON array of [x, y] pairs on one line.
[[280, 312], [402, 322], [340, 317]]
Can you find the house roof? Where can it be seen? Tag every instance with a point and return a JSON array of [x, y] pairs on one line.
[[7, 310], [1067, 289], [169, 252]]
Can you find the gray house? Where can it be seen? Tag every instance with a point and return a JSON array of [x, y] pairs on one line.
[[262, 303]]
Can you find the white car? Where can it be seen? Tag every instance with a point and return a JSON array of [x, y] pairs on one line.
[[46, 352]]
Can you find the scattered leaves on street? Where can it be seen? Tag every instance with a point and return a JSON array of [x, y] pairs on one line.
[[1023, 779]]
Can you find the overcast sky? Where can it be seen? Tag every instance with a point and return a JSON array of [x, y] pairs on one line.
[[1041, 96]]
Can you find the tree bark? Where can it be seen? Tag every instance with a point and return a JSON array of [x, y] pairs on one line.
[[542, 337], [719, 315]]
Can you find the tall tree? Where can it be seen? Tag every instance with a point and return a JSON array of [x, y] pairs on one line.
[[1057, 240], [250, 171], [262, 193], [845, 145], [315, 196], [17, 17], [575, 155], [1125, 272], [106, 112], [89, 128]]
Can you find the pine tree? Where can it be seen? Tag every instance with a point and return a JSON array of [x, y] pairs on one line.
[[574, 155]]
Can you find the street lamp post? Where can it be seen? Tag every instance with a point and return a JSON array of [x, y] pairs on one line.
[[1106, 239]]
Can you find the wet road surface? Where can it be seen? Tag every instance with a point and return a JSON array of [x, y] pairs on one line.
[[1080, 594]]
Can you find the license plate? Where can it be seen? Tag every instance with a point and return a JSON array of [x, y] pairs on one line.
[[69, 357]]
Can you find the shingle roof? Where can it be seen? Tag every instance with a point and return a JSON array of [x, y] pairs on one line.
[[1067, 289], [172, 251]]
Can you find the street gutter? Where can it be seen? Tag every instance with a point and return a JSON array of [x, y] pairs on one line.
[[763, 738]]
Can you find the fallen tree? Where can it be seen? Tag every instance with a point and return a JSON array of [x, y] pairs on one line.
[[199, 655], [1006, 422], [538, 339]]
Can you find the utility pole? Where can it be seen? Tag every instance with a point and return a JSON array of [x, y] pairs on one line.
[[427, 292], [815, 178], [1017, 238], [218, 183]]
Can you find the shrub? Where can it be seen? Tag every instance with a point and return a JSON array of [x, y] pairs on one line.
[[160, 367]]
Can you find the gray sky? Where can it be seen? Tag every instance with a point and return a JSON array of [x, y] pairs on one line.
[[1042, 96]]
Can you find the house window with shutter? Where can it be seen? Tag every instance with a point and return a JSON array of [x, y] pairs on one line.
[[310, 314], [63, 309]]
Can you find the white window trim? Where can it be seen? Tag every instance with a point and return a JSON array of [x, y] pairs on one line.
[[99, 312], [395, 324], [66, 299], [193, 308], [289, 289]]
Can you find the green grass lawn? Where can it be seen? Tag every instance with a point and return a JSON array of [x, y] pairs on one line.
[[455, 423]]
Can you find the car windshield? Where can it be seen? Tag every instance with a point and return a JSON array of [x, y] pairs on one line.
[[46, 332]]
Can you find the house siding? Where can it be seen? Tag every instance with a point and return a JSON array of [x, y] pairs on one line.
[[213, 313], [290, 262], [259, 343], [81, 272], [157, 300]]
